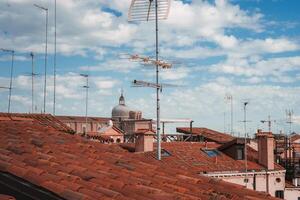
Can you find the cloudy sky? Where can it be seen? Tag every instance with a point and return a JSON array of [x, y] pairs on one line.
[[249, 49]]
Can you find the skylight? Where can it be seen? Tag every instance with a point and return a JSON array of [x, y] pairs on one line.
[[165, 153], [211, 152]]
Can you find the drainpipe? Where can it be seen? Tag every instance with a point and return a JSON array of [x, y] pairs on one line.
[[191, 128], [267, 181], [254, 181]]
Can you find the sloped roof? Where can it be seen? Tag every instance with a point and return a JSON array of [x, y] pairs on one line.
[[209, 134], [46, 120], [295, 137], [190, 156], [70, 119], [75, 168]]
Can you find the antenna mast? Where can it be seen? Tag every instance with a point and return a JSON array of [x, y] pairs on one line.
[[289, 114], [54, 62], [269, 121], [11, 76], [142, 10], [86, 86], [229, 97], [245, 138], [32, 81], [46, 53]]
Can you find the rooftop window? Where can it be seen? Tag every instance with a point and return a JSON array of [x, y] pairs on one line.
[[211, 152], [165, 153]]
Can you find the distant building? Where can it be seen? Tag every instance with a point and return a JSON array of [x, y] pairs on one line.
[[108, 134], [82, 125], [128, 120], [124, 120], [262, 172]]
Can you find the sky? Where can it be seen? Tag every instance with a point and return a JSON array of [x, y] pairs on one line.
[[247, 49]]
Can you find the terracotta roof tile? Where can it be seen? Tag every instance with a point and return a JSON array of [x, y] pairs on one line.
[[208, 134], [75, 168], [6, 197]]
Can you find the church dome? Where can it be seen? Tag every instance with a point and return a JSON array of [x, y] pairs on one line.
[[121, 110]]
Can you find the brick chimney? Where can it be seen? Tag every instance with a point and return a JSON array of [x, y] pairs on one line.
[[144, 140], [265, 142]]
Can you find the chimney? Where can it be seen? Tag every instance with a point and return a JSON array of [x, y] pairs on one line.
[[144, 140], [265, 144]]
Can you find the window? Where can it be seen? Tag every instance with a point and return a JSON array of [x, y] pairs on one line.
[[278, 180], [211, 152], [240, 154], [246, 180], [165, 153], [83, 129], [279, 194]]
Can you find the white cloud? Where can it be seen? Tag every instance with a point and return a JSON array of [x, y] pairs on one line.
[[276, 67]]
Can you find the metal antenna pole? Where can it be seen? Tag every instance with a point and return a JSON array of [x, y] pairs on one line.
[[32, 83], [46, 52], [232, 116], [86, 103], [141, 10], [289, 115], [86, 86], [46, 49], [157, 89], [54, 68], [11, 77], [245, 129]]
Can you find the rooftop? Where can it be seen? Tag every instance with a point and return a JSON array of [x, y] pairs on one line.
[[70, 119], [46, 120], [209, 134], [75, 168]]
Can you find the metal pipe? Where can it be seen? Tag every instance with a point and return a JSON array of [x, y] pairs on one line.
[[245, 148], [54, 63], [32, 82], [11, 77], [46, 54], [232, 116], [86, 104], [157, 82]]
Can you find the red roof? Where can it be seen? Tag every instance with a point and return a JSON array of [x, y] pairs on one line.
[[43, 119], [70, 119], [191, 156], [6, 197], [208, 134], [75, 168]]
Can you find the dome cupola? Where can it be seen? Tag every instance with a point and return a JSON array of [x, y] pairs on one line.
[[120, 111]]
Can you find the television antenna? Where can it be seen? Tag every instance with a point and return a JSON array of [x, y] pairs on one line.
[[269, 121], [11, 76], [32, 81], [245, 103], [46, 52], [54, 62], [289, 114], [145, 60], [86, 86], [138, 83], [146, 10], [229, 98]]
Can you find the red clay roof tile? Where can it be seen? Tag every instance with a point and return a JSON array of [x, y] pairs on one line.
[[208, 134], [75, 168]]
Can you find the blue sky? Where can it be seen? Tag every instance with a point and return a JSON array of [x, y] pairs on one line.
[[249, 49]]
